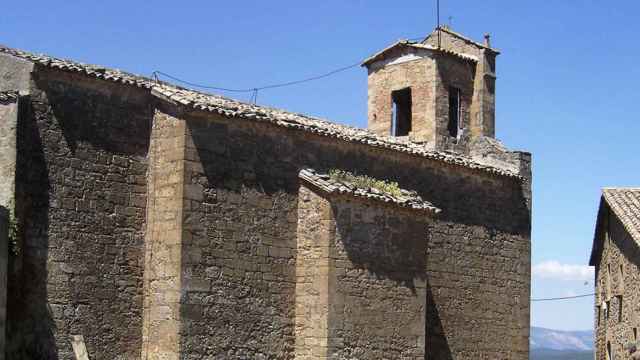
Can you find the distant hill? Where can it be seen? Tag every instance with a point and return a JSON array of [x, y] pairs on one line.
[[548, 344], [542, 338], [545, 354]]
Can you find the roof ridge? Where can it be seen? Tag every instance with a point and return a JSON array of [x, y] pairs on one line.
[[403, 42], [463, 37], [232, 108], [627, 208]]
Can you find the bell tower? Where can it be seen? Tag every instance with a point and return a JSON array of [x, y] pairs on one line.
[[440, 91]]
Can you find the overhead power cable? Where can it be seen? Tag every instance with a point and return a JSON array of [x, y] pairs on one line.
[[254, 91], [563, 298]]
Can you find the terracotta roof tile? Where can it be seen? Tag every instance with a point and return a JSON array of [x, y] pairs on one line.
[[407, 199], [461, 37], [417, 45], [8, 97], [625, 203], [239, 110]]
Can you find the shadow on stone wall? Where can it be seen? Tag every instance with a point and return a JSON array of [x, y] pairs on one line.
[[391, 247], [395, 251], [437, 345], [30, 326]]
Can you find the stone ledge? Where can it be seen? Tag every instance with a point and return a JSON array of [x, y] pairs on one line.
[[408, 199]]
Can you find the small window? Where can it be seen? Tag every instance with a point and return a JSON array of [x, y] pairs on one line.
[[609, 280], [401, 116], [635, 334], [607, 306], [598, 314], [619, 308], [454, 112]]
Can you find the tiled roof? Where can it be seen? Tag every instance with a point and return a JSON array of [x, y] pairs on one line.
[[238, 110], [7, 97], [625, 203], [461, 37], [407, 199], [406, 43]]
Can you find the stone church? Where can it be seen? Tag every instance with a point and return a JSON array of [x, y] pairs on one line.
[[159, 222]]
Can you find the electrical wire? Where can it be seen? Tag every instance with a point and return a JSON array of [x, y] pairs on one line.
[[156, 73], [563, 298], [254, 91]]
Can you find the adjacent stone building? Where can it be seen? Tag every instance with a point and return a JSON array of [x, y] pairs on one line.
[[164, 223], [616, 257]]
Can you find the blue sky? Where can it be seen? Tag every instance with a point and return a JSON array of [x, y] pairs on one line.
[[567, 87]]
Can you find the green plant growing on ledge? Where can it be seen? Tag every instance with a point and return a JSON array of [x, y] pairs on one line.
[[364, 181]]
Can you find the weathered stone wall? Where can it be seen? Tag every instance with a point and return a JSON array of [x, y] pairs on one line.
[[315, 270], [211, 219], [429, 75], [15, 74], [81, 198], [419, 75], [242, 218], [8, 126], [239, 256], [452, 72], [4, 267], [378, 305], [618, 275], [163, 241], [360, 279], [484, 100]]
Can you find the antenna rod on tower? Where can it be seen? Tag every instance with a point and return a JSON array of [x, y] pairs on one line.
[[438, 20]]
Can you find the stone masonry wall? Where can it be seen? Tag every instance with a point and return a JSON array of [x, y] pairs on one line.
[[4, 267], [361, 280], [239, 256], [163, 242], [378, 298], [617, 277], [81, 198], [242, 217], [429, 79], [87, 158], [8, 126], [314, 268], [419, 75], [484, 101], [452, 72]]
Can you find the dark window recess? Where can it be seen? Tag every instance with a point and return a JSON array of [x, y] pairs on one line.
[[619, 308], [635, 334], [401, 125], [454, 112]]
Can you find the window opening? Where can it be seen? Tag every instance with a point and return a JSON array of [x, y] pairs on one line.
[[401, 112], [454, 112], [619, 308]]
